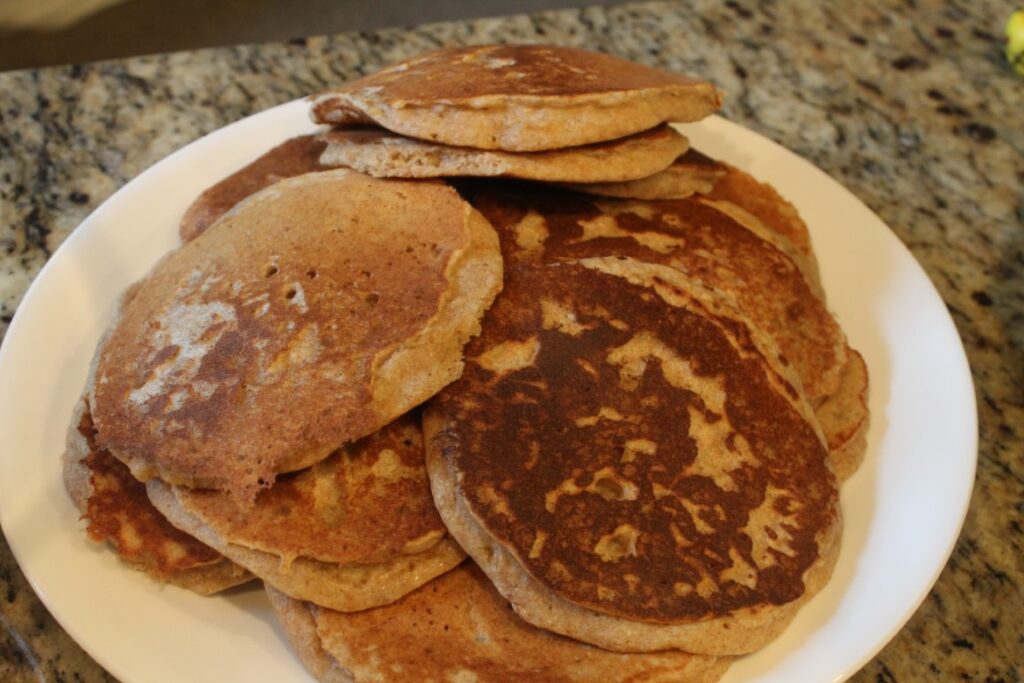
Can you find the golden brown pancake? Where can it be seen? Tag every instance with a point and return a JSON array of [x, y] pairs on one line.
[[690, 235], [354, 531], [383, 154], [520, 98], [117, 512], [630, 465], [458, 628], [292, 157], [310, 315], [692, 173], [765, 203]]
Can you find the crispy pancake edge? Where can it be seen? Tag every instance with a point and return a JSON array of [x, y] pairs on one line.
[[204, 579], [383, 154], [845, 418], [692, 173], [300, 627], [344, 588], [459, 627]]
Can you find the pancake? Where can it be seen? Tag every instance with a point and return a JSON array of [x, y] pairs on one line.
[[845, 419], [630, 465], [696, 238], [519, 98], [457, 628], [291, 158], [691, 173], [386, 155], [312, 314], [763, 201], [355, 531], [118, 513]]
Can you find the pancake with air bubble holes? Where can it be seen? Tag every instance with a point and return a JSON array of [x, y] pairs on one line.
[[630, 465], [288, 329], [456, 628], [117, 512], [518, 98], [354, 531]]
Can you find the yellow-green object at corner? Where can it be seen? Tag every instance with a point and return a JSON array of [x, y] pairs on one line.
[[1015, 41]]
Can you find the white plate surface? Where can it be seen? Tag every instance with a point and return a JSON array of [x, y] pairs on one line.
[[903, 509]]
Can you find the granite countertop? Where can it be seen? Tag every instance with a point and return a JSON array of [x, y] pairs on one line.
[[908, 104]]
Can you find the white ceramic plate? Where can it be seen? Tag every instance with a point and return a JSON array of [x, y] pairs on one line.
[[903, 509]]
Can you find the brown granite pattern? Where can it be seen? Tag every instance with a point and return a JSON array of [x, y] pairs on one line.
[[908, 104]]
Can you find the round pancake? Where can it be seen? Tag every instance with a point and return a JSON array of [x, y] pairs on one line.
[[456, 628], [292, 157], [117, 512], [354, 531], [630, 465], [310, 315], [520, 98], [694, 237], [691, 173], [386, 155]]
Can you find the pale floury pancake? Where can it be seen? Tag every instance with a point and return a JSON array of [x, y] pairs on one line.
[[354, 531], [383, 154], [519, 98], [312, 314], [458, 628], [631, 465]]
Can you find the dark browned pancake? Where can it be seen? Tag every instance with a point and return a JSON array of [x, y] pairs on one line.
[[291, 158], [458, 628], [314, 313], [690, 235], [355, 531], [517, 97], [629, 463], [117, 512]]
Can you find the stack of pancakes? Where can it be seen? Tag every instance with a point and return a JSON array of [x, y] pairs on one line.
[[500, 308]]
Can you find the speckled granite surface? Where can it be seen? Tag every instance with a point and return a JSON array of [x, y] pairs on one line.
[[909, 104]]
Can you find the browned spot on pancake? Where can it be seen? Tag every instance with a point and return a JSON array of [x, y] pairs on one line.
[[630, 480], [119, 512], [696, 239], [291, 158], [369, 502]]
